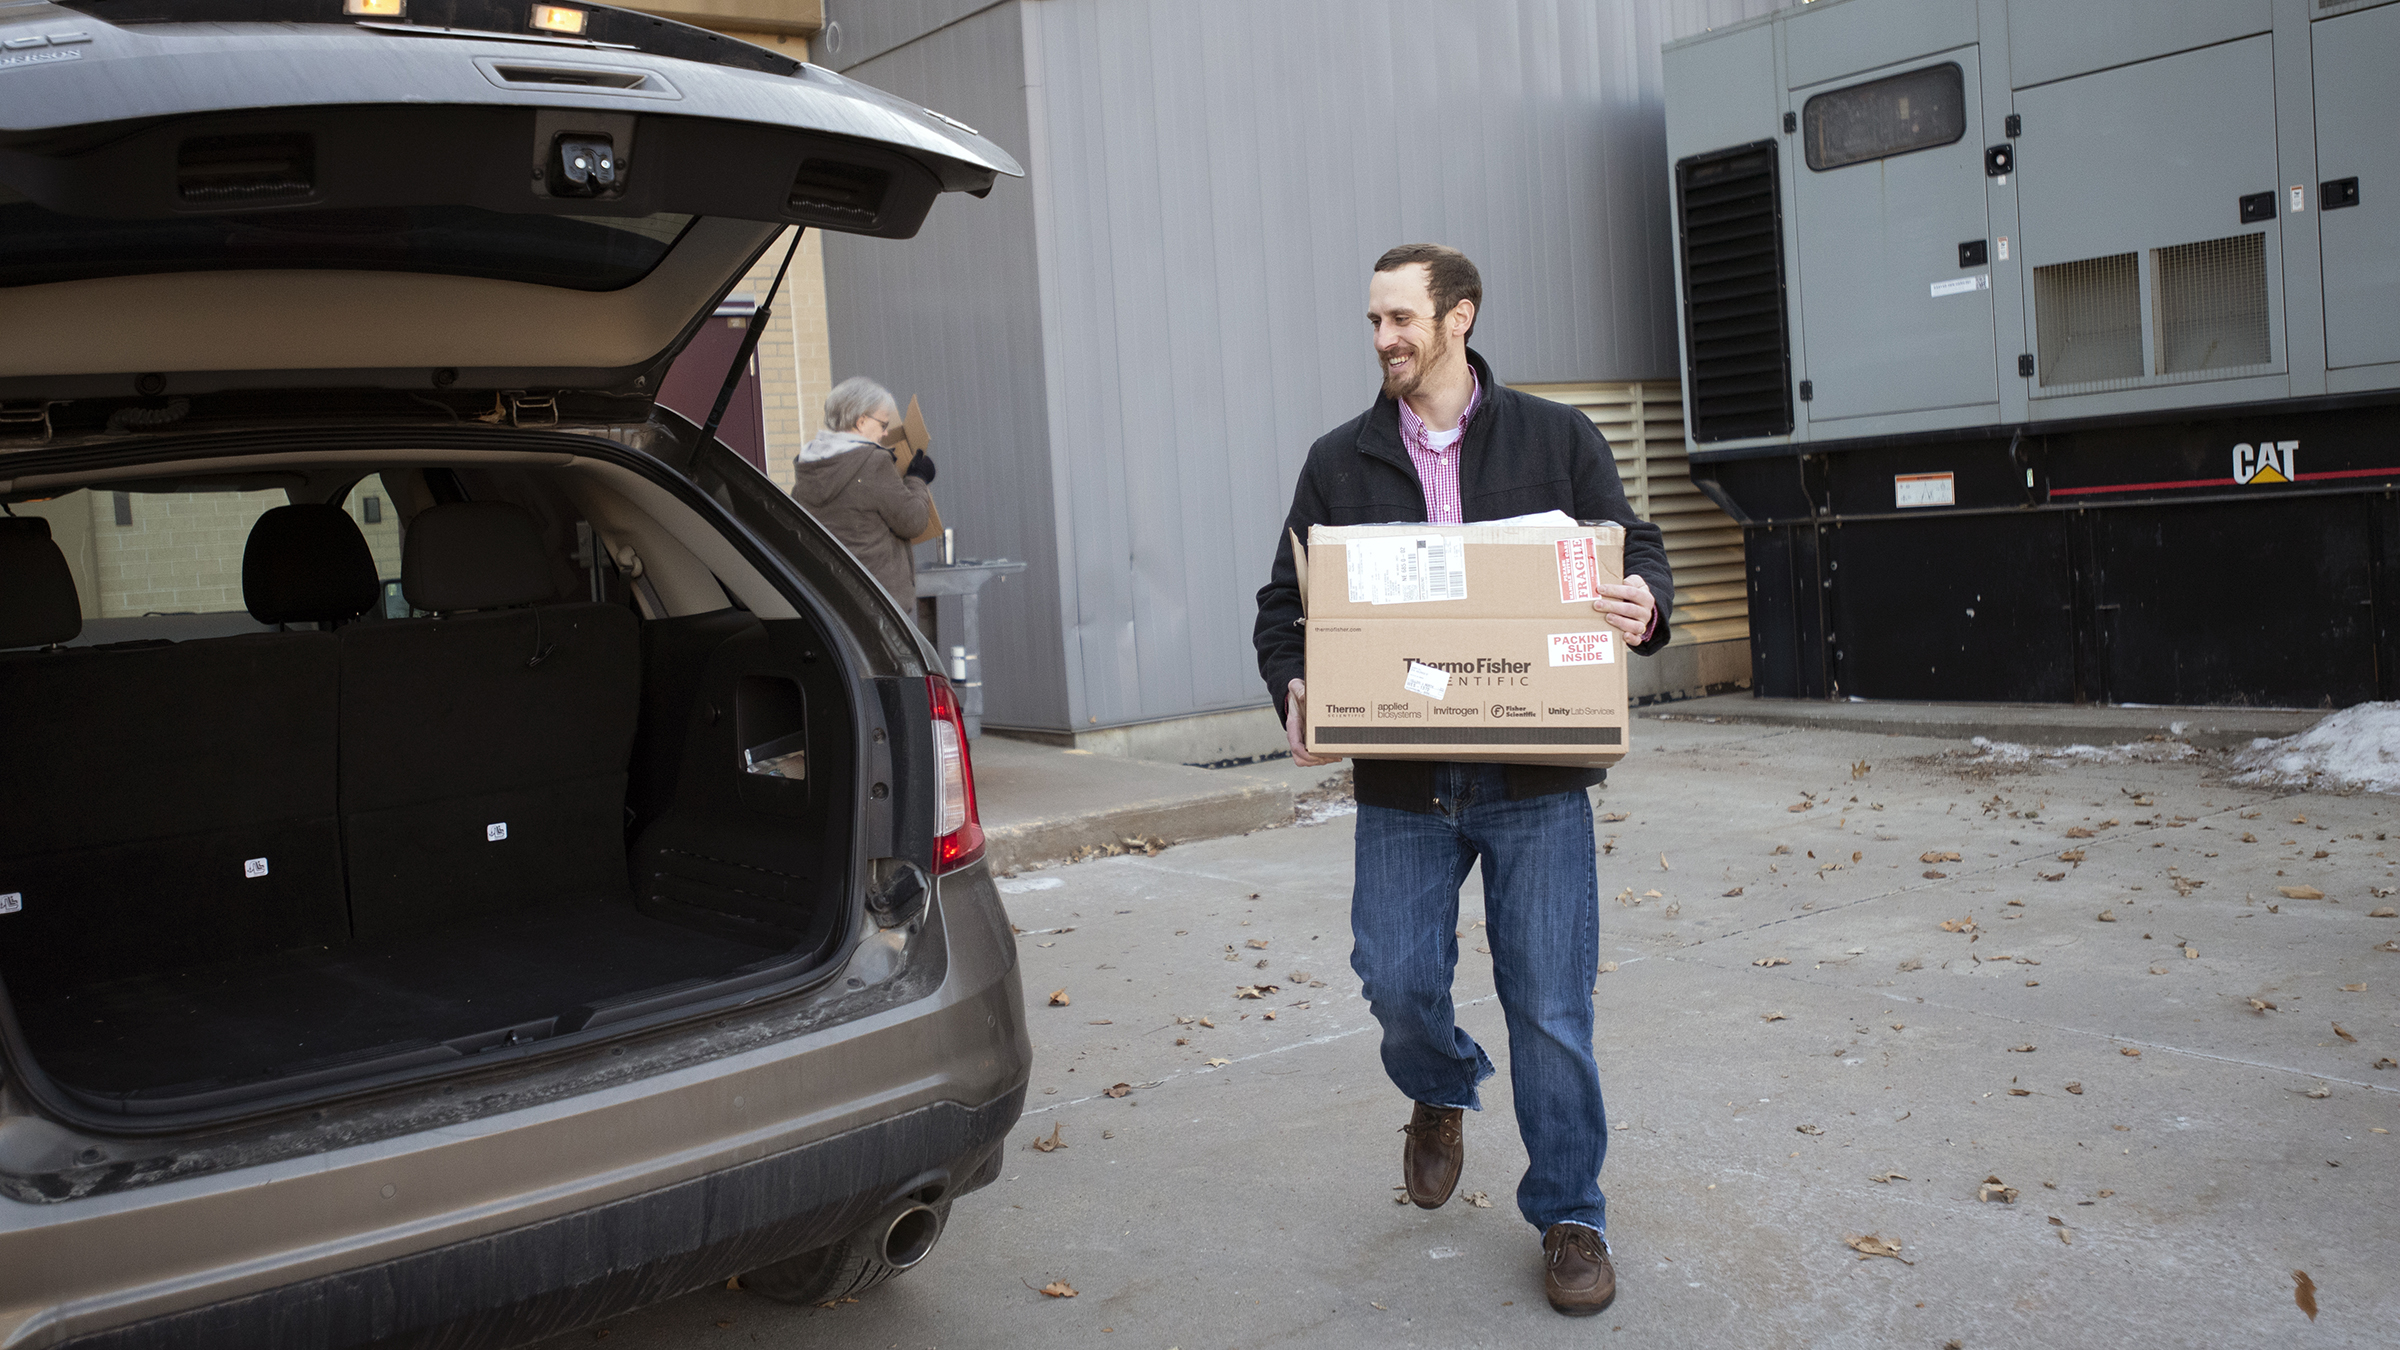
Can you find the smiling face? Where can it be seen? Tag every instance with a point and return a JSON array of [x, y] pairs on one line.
[[1411, 344]]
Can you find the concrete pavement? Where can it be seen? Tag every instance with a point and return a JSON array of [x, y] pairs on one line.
[[1240, 1194]]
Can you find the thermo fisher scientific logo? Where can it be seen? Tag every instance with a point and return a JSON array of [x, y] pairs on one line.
[[1483, 670]]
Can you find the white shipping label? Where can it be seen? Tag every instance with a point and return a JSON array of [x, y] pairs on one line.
[[11, 902], [1583, 649], [254, 867], [1426, 680], [1578, 570], [1406, 569], [1981, 281], [1924, 489], [495, 832]]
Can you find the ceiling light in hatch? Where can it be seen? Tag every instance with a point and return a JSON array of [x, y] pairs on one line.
[[559, 19]]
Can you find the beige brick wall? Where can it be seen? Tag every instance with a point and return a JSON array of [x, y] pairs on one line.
[[181, 555]]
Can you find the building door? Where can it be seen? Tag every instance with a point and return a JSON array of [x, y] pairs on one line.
[[2358, 154], [1895, 313], [693, 381]]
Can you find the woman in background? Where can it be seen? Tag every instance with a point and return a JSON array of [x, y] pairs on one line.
[[852, 484]]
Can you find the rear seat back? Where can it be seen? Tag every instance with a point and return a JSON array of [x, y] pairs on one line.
[[484, 751], [171, 804]]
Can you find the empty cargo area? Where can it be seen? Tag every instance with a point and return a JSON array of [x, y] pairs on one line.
[[471, 759]]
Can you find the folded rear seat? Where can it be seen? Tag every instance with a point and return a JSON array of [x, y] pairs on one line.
[[484, 751], [170, 805]]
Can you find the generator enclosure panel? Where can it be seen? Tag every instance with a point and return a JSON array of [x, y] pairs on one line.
[[2049, 350]]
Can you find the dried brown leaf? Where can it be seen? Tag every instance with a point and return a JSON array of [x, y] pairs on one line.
[[1058, 1289], [1875, 1244], [1772, 961], [2263, 1006], [1051, 1143], [2321, 1091], [1059, 999], [2076, 1088], [1887, 1178], [1256, 944], [1994, 1189], [2358, 988], [2129, 1052], [2301, 892], [1118, 1090], [1612, 817], [1299, 977], [1801, 806], [2338, 1031], [1479, 1199], [1219, 1063], [1809, 1129], [2304, 1293], [2079, 832], [1932, 875], [2072, 855], [1965, 925], [1773, 1017], [2108, 916], [2020, 1049], [1732, 893], [1937, 856], [1256, 990], [2387, 912]]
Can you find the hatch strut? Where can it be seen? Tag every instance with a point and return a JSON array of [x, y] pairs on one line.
[[758, 325]]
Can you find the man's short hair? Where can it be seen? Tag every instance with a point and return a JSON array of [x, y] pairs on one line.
[[1449, 275]]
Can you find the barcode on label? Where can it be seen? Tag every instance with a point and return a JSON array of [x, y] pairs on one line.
[[1406, 569]]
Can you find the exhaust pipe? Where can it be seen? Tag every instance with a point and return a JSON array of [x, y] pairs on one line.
[[902, 1235]]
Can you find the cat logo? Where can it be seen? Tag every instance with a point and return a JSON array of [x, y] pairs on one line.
[[2266, 462]]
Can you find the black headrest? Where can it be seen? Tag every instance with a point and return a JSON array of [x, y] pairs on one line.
[[38, 605], [474, 555], [307, 563]]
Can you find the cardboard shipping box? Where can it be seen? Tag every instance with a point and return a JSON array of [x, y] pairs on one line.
[[1464, 642]]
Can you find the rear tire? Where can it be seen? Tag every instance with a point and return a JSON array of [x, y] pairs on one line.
[[845, 1268]]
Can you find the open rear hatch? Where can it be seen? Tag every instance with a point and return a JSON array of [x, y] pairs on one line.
[[423, 738]]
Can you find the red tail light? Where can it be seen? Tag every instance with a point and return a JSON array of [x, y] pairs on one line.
[[960, 833]]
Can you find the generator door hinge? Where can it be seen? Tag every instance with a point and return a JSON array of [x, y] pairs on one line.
[[2014, 125], [2025, 365], [1791, 123], [1808, 391]]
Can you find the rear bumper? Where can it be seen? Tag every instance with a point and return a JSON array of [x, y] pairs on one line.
[[527, 1283], [501, 1228]]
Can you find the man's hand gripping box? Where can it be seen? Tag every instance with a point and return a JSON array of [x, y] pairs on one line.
[[1464, 642]]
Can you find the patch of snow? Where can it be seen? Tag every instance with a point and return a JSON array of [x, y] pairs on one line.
[[1982, 750], [1317, 813], [1020, 885], [2358, 747]]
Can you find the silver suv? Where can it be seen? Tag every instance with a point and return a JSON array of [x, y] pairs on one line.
[[474, 856]]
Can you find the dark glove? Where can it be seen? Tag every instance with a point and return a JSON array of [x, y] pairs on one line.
[[921, 468]]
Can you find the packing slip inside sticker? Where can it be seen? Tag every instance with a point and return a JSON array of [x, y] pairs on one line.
[[1982, 281], [1426, 680], [1924, 489], [1583, 649], [1407, 569], [1578, 569]]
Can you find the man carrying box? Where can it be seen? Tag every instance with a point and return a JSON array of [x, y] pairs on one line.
[[1446, 443]]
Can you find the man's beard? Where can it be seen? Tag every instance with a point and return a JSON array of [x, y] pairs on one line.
[[1421, 363]]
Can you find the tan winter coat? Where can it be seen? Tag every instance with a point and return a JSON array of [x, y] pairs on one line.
[[861, 497]]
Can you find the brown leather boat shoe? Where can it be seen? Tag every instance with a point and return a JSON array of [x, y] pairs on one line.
[[1435, 1151], [1578, 1277]]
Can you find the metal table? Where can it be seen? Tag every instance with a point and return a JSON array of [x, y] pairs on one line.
[[961, 582]]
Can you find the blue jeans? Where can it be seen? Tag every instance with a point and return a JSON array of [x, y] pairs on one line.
[[1541, 896]]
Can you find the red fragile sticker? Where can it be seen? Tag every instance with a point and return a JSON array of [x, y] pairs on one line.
[[1578, 569]]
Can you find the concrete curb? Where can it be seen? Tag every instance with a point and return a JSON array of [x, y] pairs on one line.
[[2023, 723], [1237, 808]]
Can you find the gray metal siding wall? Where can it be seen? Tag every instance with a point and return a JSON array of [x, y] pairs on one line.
[[1214, 182], [953, 316], [1210, 185]]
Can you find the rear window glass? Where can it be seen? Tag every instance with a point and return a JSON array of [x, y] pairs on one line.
[[154, 564], [585, 253], [1881, 118]]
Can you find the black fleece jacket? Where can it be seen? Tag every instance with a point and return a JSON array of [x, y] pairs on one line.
[[1521, 454]]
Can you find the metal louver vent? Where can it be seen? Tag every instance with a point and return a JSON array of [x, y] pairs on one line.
[[1733, 296], [2212, 304], [2088, 315]]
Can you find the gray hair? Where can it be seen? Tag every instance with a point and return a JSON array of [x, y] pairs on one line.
[[855, 398]]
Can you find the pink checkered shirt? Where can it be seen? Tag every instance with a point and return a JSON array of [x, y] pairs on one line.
[[1438, 471]]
